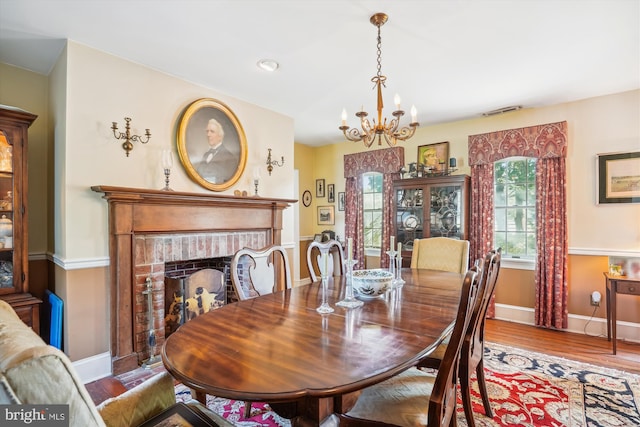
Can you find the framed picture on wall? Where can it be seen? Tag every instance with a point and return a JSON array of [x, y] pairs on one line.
[[326, 215], [211, 144], [618, 177], [341, 201], [434, 157], [331, 197], [319, 187]]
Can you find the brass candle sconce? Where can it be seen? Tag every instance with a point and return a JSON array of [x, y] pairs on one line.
[[129, 139], [272, 163]]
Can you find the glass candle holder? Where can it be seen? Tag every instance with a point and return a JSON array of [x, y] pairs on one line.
[[349, 300]]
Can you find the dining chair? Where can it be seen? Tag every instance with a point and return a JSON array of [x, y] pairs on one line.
[[314, 256], [441, 253], [473, 342], [253, 272], [259, 277], [414, 397]]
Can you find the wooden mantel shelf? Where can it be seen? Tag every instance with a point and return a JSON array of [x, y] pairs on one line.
[[134, 212], [144, 195]]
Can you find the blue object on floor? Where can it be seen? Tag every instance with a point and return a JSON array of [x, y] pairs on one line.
[[55, 332]]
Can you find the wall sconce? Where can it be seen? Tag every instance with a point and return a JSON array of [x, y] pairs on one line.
[[272, 163], [127, 145]]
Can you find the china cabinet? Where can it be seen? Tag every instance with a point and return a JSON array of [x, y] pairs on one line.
[[14, 259], [430, 207]]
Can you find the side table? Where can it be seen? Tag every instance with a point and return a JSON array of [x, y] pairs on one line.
[[617, 285]]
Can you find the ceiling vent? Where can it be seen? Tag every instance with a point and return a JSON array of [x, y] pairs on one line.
[[502, 110]]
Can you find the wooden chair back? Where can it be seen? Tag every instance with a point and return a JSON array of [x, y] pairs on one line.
[[442, 402], [263, 274], [441, 253], [489, 277], [314, 256]]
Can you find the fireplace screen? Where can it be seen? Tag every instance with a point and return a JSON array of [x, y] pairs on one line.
[[191, 296]]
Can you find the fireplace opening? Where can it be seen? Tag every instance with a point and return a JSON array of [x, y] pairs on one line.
[[194, 287]]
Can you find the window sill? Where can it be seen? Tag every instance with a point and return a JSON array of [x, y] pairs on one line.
[[518, 263], [372, 252]]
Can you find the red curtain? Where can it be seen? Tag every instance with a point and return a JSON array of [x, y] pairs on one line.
[[387, 162], [547, 143]]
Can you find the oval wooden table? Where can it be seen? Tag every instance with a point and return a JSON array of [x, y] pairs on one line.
[[278, 349]]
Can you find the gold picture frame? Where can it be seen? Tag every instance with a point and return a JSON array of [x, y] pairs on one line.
[[205, 123], [434, 157]]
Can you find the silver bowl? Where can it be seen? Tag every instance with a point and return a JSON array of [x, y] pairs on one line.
[[371, 283]]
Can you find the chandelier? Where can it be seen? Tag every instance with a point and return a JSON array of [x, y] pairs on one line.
[[381, 128]]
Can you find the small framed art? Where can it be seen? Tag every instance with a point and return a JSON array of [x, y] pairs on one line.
[[326, 215], [319, 188], [434, 157], [618, 177], [341, 201], [331, 197]]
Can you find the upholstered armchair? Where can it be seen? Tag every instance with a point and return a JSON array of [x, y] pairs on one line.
[[32, 372]]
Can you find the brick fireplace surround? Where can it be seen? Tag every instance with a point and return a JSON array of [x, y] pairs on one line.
[[150, 227]]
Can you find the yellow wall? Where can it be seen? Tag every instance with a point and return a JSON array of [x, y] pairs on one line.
[[598, 125]]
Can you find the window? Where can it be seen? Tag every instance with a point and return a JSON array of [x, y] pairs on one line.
[[515, 207], [372, 209]]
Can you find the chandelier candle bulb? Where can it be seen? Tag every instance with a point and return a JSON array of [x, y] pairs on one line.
[[396, 100], [414, 114], [344, 117]]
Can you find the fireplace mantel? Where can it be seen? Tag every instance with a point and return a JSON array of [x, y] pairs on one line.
[[135, 212]]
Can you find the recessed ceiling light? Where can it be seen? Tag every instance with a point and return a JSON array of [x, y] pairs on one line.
[[268, 64]]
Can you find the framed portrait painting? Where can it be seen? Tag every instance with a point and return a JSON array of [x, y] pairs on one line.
[[211, 144], [326, 215], [434, 157], [618, 177]]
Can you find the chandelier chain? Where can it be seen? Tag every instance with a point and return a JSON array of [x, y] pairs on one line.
[[379, 52]]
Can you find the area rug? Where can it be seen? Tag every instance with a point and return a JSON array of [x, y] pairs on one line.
[[525, 388]]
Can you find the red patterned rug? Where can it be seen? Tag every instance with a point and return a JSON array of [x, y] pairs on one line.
[[525, 388]]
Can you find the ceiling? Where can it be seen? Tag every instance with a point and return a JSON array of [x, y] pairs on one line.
[[452, 59]]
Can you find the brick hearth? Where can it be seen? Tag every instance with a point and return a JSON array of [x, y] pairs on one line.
[[151, 254], [149, 227]]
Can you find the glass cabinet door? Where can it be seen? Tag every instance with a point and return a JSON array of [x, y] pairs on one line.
[[409, 216], [6, 215], [445, 211]]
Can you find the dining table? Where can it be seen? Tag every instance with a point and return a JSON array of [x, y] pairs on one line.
[[278, 349]]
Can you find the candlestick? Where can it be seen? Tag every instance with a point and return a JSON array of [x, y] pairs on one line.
[[349, 301], [349, 249], [393, 242], [399, 247]]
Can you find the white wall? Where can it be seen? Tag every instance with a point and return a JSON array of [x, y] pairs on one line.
[[102, 89]]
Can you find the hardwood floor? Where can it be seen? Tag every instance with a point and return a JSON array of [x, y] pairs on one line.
[[580, 347]]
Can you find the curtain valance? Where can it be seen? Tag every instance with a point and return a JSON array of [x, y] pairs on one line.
[[388, 160], [541, 141]]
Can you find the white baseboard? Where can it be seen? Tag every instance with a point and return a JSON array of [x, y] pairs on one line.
[[93, 368], [579, 324]]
